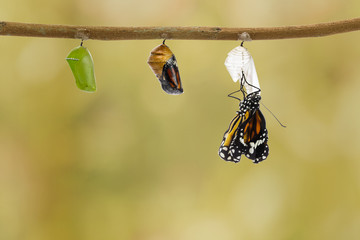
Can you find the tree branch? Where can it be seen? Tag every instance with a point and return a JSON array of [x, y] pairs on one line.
[[189, 33]]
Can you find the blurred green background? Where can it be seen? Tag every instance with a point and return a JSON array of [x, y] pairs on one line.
[[130, 162]]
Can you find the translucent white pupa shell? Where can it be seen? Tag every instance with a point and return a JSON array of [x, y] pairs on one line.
[[239, 61]]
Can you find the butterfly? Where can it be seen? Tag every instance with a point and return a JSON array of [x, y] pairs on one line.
[[247, 133]]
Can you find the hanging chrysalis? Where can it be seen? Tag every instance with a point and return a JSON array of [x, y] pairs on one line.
[[239, 62], [163, 63], [82, 66]]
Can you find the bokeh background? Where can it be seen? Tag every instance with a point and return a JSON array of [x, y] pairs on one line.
[[130, 162]]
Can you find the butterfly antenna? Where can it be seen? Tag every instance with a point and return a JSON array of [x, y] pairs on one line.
[[243, 78], [284, 126]]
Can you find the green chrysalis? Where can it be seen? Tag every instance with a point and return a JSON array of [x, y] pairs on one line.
[[82, 66]]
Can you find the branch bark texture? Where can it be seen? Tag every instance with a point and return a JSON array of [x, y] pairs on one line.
[[188, 33]]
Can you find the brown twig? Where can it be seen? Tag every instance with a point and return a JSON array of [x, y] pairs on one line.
[[190, 33]]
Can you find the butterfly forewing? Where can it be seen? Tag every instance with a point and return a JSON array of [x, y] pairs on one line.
[[228, 151]]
